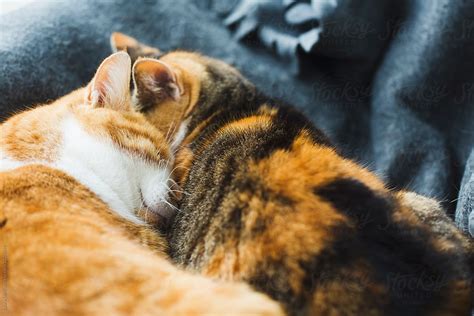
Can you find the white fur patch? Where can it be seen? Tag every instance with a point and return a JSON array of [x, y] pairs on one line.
[[119, 178], [180, 134], [6, 163]]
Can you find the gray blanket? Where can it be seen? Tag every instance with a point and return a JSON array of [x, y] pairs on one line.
[[390, 81]]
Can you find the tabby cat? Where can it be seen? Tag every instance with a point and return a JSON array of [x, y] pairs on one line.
[[269, 200], [72, 176]]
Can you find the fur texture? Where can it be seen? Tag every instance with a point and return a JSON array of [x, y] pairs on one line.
[[268, 200], [75, 176]]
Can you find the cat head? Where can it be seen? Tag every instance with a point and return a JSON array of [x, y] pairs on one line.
[[178, 86], [95, 135]]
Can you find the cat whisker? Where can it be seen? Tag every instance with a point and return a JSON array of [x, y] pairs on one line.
[[168, 131], [171, 205], [177, 190], [171, 190], [175, 168], [179, 167], [178, 148], [171, 131], [173, 182]]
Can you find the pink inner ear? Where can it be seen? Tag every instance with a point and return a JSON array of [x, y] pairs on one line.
[[91, 96], [110, 86], [163, 78], [97, 89], [98, 94]]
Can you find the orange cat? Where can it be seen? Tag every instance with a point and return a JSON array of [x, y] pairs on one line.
[[73, 175]]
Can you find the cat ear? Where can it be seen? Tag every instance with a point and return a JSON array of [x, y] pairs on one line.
[[110, 86], [122, 42], [155, 81]]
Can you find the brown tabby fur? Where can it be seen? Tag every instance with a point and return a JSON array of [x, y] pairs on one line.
[[268, 200], [63, 251]]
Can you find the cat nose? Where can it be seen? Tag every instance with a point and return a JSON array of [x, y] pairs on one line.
[[162, 214], [159, 205], [166, 210], [157, 212]]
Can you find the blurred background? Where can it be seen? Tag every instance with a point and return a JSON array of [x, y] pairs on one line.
[[10, 5]]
